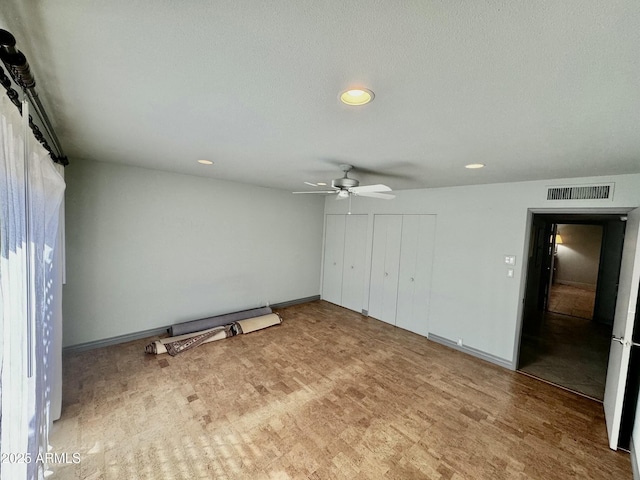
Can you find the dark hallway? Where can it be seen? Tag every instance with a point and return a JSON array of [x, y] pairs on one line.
[[568, 351], [567, 326]]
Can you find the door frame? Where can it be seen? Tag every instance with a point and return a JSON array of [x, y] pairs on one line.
[[525, 260]]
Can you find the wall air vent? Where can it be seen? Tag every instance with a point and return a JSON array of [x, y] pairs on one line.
[[581, 192]]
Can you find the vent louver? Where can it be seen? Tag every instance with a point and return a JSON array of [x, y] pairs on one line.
[[581, 192]]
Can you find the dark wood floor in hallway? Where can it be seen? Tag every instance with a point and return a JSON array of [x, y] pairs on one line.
[[327, 394], [566, 347], [569, 351]]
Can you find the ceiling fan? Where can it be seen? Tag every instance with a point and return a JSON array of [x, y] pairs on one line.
[[345, 187]]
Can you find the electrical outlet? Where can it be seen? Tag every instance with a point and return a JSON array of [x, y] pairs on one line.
[[459, 342]]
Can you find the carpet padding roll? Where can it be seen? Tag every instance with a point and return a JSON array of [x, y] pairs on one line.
[[252, 324], [187, 341], [211, 322]]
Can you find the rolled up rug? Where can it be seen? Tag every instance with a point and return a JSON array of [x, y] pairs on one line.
[[217, 321], [181, 343]]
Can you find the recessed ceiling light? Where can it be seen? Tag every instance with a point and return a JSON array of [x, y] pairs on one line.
[[356, 96], [474, 165], [205, 162], [322, 184]]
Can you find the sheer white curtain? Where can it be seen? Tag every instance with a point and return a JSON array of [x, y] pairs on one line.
[[30, 296]]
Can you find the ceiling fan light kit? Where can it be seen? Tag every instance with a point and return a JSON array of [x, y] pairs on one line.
[[345, 187]]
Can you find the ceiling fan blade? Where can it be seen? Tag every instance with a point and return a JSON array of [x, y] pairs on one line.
[[388, 170], [319, 191], [370, 188], [385, 196]]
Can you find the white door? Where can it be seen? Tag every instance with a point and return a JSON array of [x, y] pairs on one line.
[[385, 265], [414, 283], [355, 243], [333, 258], [623, 328]]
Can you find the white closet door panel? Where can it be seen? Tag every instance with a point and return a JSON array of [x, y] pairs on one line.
[[392, 268], [407, 277], [333, 259], [376, 284], [416, 265], [385, 266], [354, 262], [424, 263]]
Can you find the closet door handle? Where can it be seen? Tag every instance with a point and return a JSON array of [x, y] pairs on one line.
[[386, 274], [412, 279], [351, 267]]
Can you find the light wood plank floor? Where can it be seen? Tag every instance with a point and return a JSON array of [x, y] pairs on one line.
[[327, 394]]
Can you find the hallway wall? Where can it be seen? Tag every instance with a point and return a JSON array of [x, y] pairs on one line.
[[578, 256]]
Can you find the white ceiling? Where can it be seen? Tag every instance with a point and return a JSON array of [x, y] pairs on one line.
[[535, 90]]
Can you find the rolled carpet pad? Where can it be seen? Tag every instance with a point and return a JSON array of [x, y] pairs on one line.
[[252, 324], [158, 347], [210, 322]]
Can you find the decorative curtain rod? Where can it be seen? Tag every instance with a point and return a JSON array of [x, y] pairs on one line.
[[18, 67]]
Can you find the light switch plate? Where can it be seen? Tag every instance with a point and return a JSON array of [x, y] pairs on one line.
[[510, 260]]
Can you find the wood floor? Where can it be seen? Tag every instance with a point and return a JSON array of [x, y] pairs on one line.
[[574, 301], [327, 394], [568, 348], [568, 351]]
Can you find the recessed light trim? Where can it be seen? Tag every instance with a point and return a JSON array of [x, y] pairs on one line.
[[475, 165], [356, 96], [205, 162], [321, 184]]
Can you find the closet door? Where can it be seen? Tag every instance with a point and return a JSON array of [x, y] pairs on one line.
[[385, 263], [355, 243], [333, 258], [416, 263]]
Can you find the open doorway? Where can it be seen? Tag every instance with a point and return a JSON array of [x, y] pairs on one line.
[[575, 266], [572, 280]]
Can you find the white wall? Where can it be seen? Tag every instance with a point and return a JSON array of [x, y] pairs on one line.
[[578, 256], [147, 249], [472, 298]]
